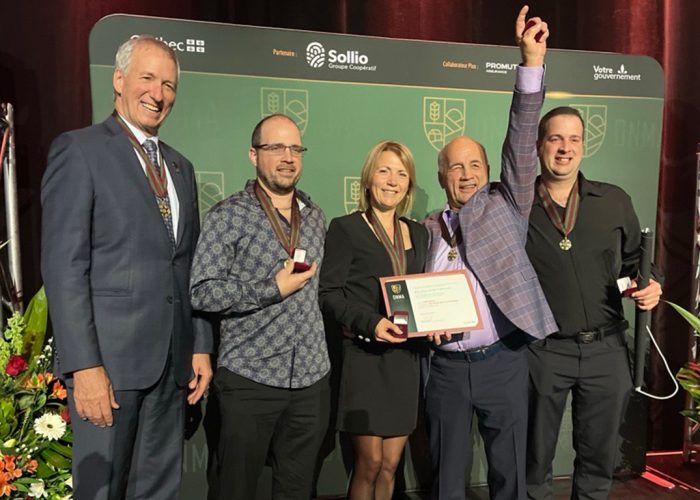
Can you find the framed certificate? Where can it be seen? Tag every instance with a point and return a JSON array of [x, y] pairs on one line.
[[434, 302]]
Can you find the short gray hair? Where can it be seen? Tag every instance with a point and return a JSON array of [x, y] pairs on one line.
[[123, 58]]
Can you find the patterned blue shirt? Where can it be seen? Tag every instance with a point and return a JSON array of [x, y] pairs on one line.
[[267, 339]]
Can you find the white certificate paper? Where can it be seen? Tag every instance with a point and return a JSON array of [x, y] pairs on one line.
[[435, 302]]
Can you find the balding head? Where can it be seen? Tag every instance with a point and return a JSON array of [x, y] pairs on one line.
[[463, 169]]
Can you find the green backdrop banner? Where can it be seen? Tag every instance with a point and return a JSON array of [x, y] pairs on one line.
[[347, 93]]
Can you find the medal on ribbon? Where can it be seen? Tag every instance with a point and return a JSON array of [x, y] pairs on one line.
[[395, 249], [452, 240], [288, 241], [566, 225], [156, 177]]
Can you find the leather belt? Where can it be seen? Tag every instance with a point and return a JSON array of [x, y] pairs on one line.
[[590, 336], [512, 343]]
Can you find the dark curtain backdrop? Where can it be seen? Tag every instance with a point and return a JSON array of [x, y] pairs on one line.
[[44, 73]]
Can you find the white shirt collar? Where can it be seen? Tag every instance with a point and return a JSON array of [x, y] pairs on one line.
[[138, 133]]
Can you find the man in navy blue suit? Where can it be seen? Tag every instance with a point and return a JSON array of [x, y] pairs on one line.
[[120, 224]]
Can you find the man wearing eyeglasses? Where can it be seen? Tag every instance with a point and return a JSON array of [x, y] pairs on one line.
[[255, 265]]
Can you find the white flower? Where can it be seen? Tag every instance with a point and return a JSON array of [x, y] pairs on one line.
[[50, 425], [69, 482], [37, 489]]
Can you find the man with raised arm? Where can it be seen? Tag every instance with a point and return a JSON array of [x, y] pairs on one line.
[[482, 230]]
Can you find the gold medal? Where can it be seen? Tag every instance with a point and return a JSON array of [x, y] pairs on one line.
[[565, 244], [566, 225], [451, 239], [164, 208], [452, 254]]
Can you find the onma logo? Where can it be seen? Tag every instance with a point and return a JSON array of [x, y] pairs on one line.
[[315, 54]]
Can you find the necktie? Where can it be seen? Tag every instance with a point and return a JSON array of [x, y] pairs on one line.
[[453, 219], [163, 203]]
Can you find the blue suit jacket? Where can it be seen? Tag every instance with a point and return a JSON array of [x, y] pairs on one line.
[[118, 293], [494, 225]]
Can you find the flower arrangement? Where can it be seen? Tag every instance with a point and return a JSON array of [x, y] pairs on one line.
[[689, 375], [35, 438]]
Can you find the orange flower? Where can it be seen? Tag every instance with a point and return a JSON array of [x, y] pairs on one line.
[[34, 382], [31, 466], [39, 380], [59, 392], [10, 468], [6, 488]]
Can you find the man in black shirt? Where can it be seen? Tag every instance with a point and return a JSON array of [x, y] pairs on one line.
[[583, 236]]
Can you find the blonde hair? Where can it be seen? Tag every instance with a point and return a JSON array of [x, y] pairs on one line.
[[372, 163]]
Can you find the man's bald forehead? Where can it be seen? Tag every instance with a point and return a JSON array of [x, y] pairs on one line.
[[275, 119], [463, 141]]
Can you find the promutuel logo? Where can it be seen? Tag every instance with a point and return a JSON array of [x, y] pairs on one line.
[[607, 73], [349, 59], [315, 54], [499, 67], [188, 45]]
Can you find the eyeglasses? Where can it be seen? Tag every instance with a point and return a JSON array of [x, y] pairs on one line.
[[279, 149]]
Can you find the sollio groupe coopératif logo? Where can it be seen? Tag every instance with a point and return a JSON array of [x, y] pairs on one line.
[[348, 60]]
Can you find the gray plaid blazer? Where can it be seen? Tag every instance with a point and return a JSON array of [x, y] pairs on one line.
[[494, 225]]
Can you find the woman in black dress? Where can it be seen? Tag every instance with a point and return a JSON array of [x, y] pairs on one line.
[[378, 401]]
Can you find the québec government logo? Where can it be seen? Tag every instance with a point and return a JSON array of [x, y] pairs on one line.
[[315, 54], [187, 45]]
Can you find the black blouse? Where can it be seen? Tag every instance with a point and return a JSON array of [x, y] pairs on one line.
[[353, 262]]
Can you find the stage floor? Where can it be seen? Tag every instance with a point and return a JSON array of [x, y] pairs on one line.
[[666, 477]]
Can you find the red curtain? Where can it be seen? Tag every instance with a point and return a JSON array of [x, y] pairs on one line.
[[44, 73]]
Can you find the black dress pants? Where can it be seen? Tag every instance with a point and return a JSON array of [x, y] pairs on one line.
[[496, 390], [259, 423], [599, 379]]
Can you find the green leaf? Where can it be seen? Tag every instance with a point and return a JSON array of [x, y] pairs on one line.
[[21, 487], [6, 407], [693, 415], [26, 482], [692, 320], [35, 318], [25, 402], [63, 477], [6, 427], [62, 449], [43, 471], [55, 459], [40, 402]]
